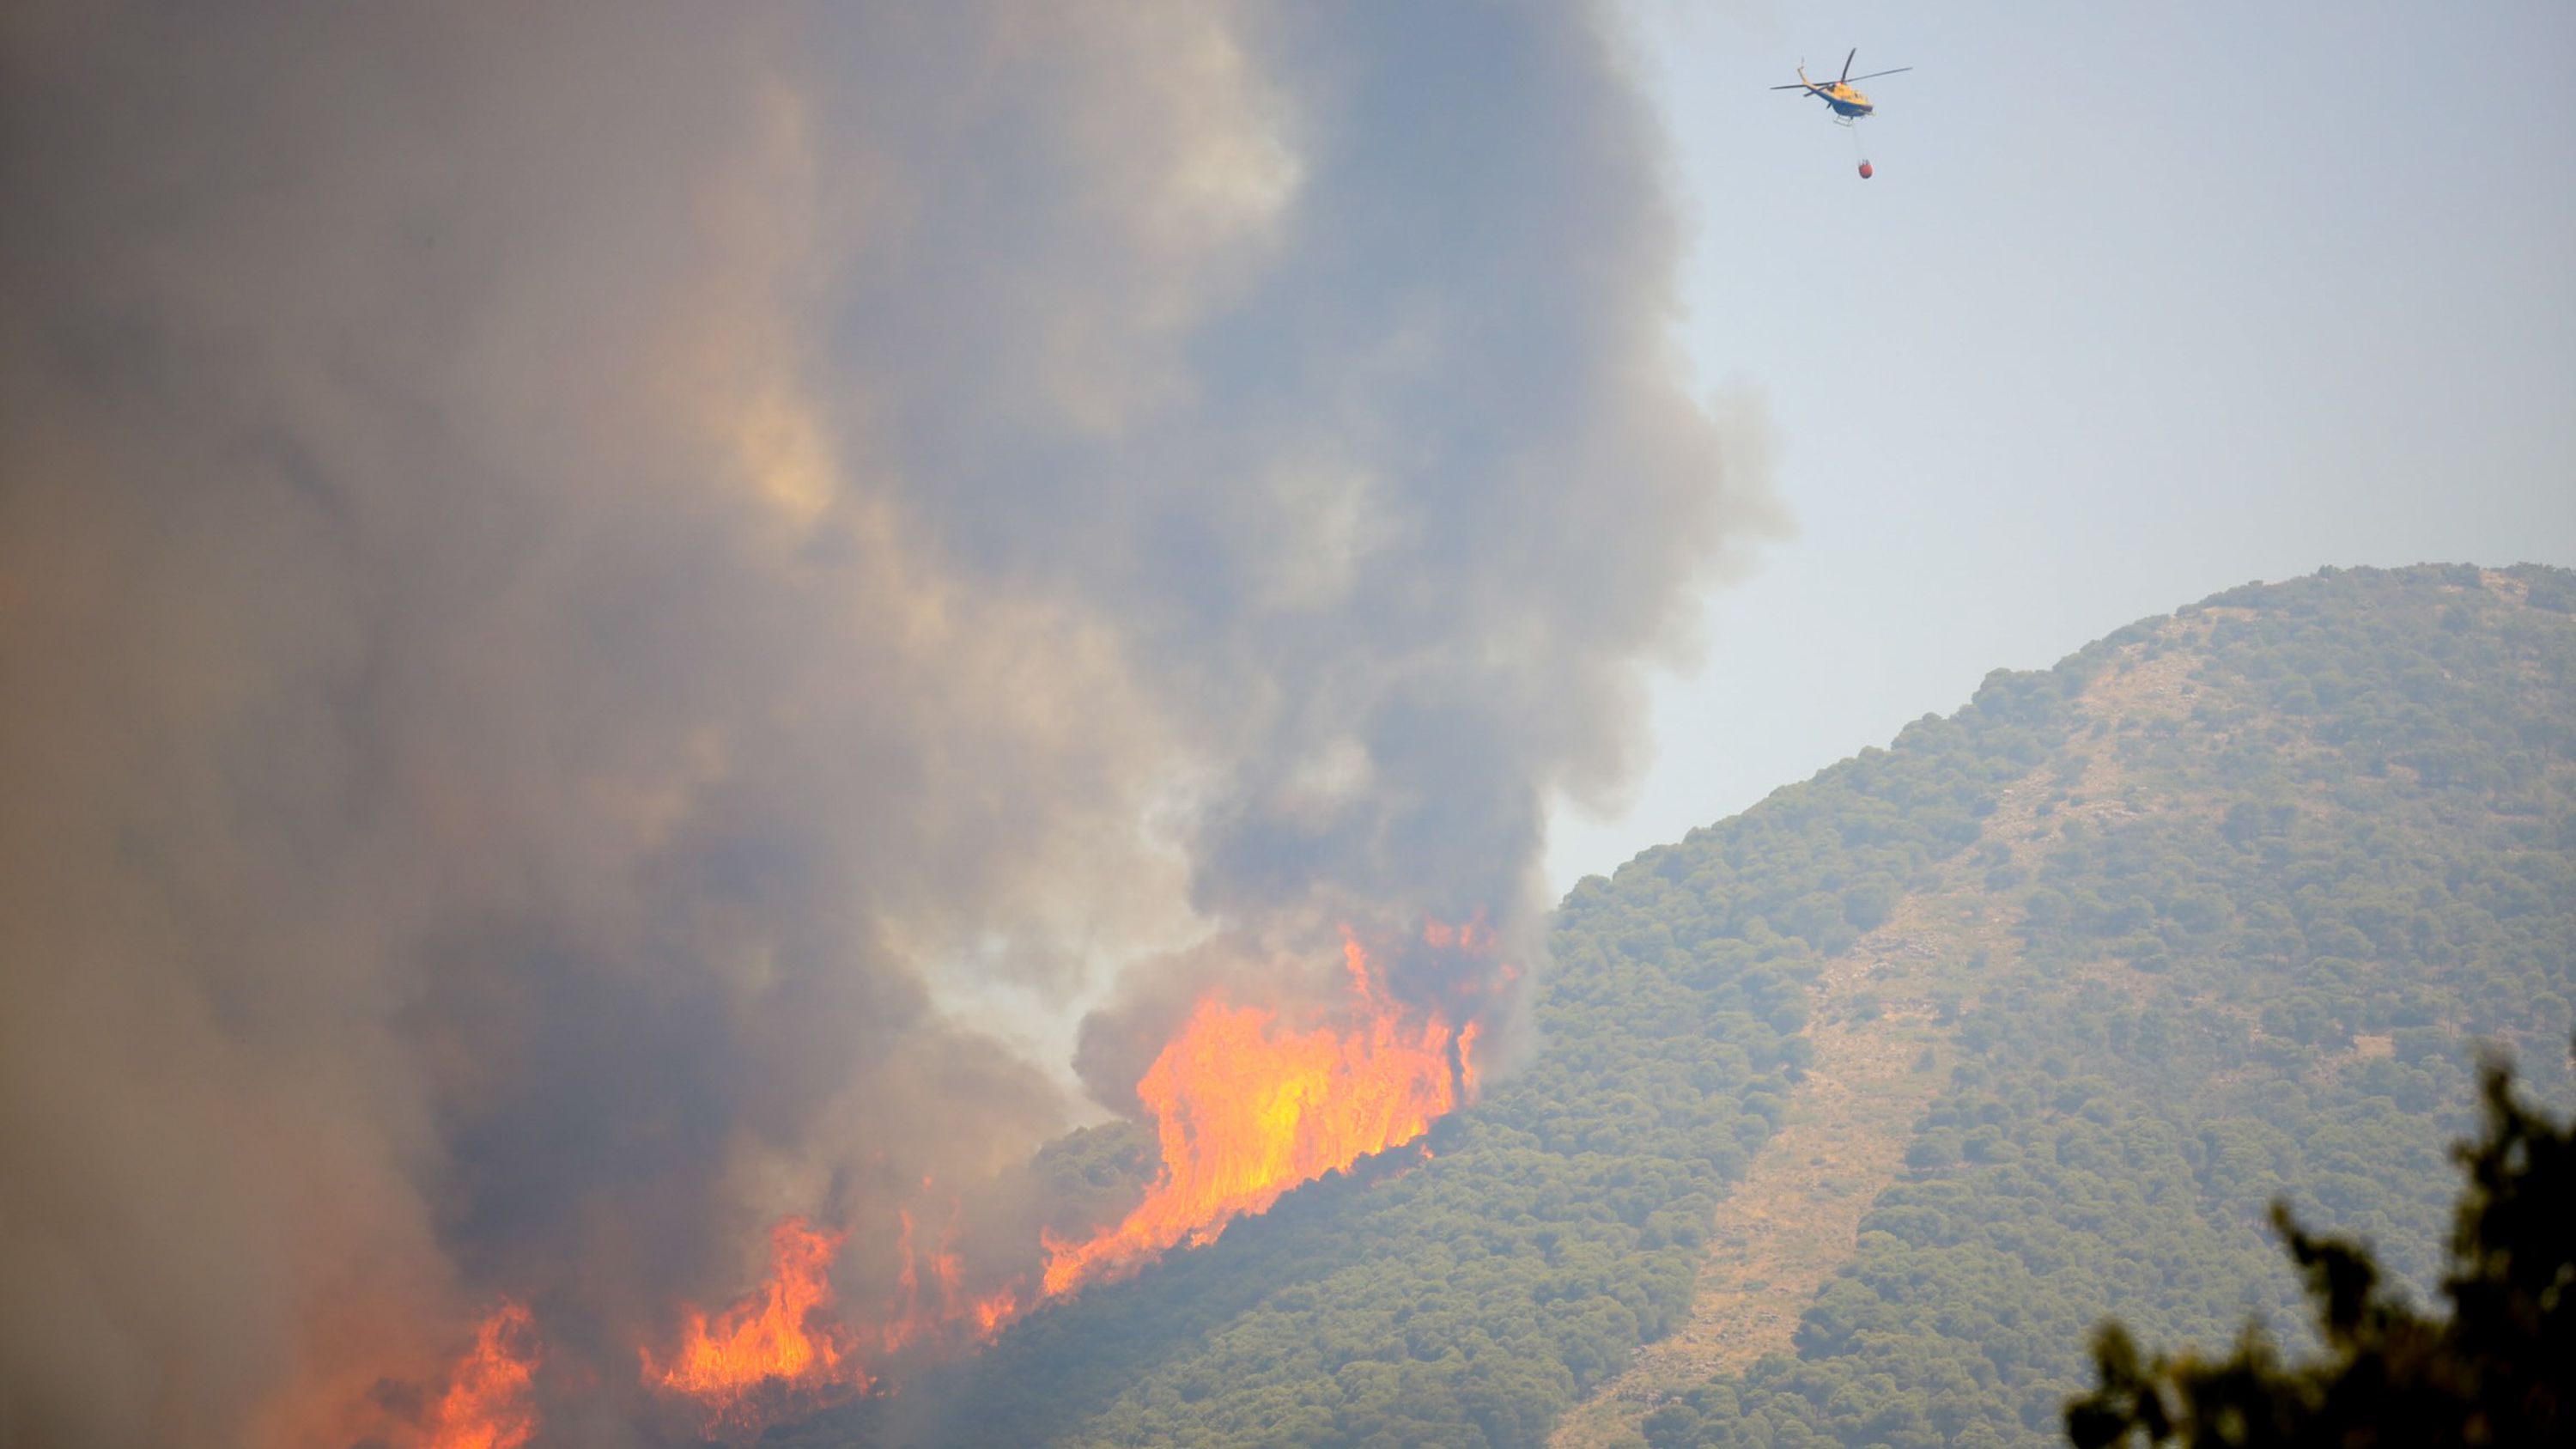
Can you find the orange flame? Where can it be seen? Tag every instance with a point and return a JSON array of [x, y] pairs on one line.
[[765, 1351], [1247, 1108], [954, 1319], [486, 1404], [780, 1350], [1472, 936], [995, 1312]]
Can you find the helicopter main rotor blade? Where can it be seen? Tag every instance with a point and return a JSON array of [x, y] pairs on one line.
[[1873, 75], [1847, 60], [1801, 86]]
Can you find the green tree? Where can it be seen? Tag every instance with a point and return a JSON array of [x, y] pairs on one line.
[[2501, 1369]]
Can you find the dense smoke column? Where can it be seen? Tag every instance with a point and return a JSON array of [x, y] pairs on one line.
[[567, 578], [1435, 489]]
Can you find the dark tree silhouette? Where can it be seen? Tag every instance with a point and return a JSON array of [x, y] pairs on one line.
[[2501, 1370]]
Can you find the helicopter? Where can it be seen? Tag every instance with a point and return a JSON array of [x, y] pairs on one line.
[[1848, 105]]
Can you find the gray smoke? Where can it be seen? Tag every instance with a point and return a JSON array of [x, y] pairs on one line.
[[570, 580]]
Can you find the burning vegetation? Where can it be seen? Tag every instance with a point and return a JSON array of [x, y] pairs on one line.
[[777, 1349], [786, 1348], [1248, 1102], [1247, 1105], [489, 1402]]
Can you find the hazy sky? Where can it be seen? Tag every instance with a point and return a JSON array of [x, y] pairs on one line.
[[2144, 301]]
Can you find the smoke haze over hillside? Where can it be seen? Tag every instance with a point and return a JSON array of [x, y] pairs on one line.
[[568, 582]]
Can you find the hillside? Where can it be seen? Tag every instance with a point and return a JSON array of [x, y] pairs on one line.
[[2287, 853], [1855, 1112]]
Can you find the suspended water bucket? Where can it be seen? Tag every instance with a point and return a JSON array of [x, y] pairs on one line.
[[1865, 172]]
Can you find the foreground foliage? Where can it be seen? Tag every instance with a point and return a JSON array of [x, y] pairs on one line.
[[2500, 1369]]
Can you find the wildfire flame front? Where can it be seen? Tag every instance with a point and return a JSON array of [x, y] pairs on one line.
[[1247, 1107]]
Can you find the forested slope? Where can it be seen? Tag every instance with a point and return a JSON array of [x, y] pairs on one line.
[[2287, 854], [1854, 1113]]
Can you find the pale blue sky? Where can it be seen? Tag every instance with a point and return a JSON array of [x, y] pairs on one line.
[[2144, 301]]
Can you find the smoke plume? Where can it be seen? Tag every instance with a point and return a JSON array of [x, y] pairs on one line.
[[578, 587]]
